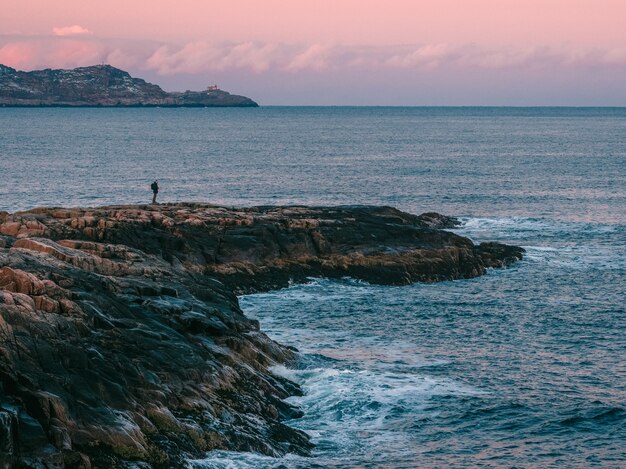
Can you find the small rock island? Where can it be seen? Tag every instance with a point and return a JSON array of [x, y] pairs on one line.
[[101, 85], [122, 339]]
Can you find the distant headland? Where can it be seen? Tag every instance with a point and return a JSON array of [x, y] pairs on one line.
[[101, 85]]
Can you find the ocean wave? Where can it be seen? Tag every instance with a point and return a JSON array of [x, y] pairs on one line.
[[608, 415], [516, 227], [348, 410], [571, 245], [235, 460], [576, 257]]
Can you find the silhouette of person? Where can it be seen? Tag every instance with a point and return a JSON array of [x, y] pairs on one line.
[[155, 190]]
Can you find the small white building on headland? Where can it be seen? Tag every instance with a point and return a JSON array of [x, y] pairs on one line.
[[211, 88]]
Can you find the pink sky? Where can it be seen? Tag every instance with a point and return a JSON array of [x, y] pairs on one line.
[[501, 52]]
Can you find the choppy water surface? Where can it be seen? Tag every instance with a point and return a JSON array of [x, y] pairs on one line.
[[524, 367]]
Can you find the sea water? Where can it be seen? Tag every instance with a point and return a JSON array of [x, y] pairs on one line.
[[523, 367]]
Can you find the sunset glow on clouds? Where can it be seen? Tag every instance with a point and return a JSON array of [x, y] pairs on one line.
[[74, 30], [258, 57], [445, 47]]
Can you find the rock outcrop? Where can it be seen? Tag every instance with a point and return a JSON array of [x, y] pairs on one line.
[[121, 338], [100, 85]]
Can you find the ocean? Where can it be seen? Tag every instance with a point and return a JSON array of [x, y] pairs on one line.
[[523, 367]]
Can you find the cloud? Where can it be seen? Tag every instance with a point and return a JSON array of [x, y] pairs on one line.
[[616, 56], [199, 57], [203, 56], [37, 52], [74, 30], [316, 57], [18, 54], [72, 49]]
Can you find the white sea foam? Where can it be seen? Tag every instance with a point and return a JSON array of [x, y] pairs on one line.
[[576, 257], [235, 460], [347, 409], [505, 223], [521, 227], [563, 244]]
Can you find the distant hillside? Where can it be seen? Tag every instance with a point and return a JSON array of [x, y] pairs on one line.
[[100, 85]]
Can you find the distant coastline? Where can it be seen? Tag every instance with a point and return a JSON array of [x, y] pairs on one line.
[[101, 86]]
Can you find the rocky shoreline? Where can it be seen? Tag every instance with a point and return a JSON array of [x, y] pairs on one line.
[[101, 86], [122, 341]]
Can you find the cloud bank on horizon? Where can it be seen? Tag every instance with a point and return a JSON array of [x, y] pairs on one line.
[[205, 57], [490, 52]]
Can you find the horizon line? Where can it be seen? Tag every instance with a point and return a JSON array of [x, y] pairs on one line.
[[400, 106]]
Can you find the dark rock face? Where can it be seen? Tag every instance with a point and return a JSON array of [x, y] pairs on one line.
[[121, 338], [99, 85], [436, 220]]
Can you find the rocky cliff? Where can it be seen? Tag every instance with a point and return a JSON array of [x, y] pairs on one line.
[[100, 85], [121, 338]]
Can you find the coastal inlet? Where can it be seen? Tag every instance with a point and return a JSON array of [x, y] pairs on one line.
[[122, 339]]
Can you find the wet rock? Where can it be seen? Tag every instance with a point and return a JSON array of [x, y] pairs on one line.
[[438, 221], [122, 341], [499, 255], [31, 435], [8, 433]]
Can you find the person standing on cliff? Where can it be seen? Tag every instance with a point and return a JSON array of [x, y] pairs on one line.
[[155, 190]]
